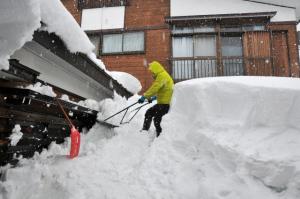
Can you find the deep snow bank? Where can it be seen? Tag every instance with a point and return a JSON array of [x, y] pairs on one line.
[[249, 108], [241, 102], [221, 139], [258, 118]]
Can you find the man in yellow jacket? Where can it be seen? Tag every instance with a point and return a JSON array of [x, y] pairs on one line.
[[162, 90]]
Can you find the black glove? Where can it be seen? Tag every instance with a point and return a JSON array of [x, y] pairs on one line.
[[142, 100], [153, 98]]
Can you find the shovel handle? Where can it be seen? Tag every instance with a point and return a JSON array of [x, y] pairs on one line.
[[120, 111], [65, 114]]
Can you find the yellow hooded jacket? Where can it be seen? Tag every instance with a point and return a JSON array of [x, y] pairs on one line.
[[162, 87]]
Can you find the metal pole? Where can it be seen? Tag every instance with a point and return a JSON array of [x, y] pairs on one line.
[[120, 111]]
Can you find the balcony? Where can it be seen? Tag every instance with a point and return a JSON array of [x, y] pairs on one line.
[[86, 4], [190, 68]]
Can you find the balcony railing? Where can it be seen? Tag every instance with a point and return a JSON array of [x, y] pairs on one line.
[[86, 4], [189, 68]]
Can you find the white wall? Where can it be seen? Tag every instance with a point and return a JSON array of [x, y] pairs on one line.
[[211, 7], [291, 3], [103, 18]]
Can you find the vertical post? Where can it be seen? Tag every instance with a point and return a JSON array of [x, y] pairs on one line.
[[219, 53]]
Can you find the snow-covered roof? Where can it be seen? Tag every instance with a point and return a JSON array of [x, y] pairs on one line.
[[20, 19], [61, 22], [215, 7], [291, 3]]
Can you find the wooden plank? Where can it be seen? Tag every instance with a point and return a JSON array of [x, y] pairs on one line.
[[280, 53], [257, 53]]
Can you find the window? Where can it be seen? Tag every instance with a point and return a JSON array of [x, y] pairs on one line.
[[232, 52], [205, 46], [231, 46], [183, 47], [204, 29], [231, 28], [242, 28], [182, 30], [112, 43], [95, 39], [196, 56], [123, 43], [197, 29], [253, 27]]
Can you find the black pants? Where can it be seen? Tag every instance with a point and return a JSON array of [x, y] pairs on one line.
[[156, 112]]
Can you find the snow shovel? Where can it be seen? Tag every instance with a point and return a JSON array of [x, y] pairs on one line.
[[75, 135], [126, 110]]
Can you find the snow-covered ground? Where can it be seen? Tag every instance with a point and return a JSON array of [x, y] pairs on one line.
[[235, 137]]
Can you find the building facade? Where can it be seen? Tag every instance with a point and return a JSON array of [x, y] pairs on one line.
[[191, 38]]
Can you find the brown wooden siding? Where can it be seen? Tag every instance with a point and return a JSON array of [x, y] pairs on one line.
[[293, 51], [280, 53], [257, 53]]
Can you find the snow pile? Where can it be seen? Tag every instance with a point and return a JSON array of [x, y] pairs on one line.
[[42, 89], [230, 137], [18, 20], [90, 103], [255, 118], [16, 135], [128, 81], [66, 98], [61, 22], [98, 62], [131, 83]]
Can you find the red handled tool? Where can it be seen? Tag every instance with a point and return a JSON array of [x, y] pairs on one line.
[[75, 135]]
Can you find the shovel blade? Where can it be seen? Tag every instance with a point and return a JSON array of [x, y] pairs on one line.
[[75, 143]]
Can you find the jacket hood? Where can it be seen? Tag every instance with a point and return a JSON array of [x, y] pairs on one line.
[[155, 67]]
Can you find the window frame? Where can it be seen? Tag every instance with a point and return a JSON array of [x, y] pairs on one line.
[[122, 52], [97, 52]]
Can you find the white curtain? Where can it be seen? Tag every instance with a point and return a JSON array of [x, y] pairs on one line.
[[133, 41], [205, 45], [182, 47], [232, 46], [204, 29], [112, 43], [182, 29]]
